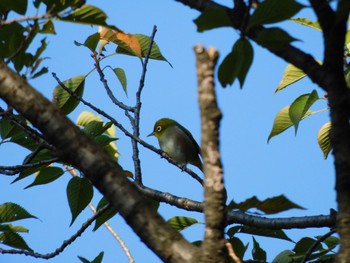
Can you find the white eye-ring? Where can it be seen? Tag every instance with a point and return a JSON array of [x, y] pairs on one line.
[[159, 128]]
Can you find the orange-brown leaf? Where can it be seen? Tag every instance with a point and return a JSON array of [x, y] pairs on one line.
[[122, 39]]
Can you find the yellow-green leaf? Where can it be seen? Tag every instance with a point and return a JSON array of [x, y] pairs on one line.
[[291, 74], [120, 73], [323, 139], [282, 122], [300, 106], [307, 22], [181, 222]]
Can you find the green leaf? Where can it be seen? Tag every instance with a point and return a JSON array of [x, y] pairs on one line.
[[19, 6], [284, 257], [46, 175], [144, 42], [238, 247], [13, 239], [271, 205], [331, 242], [84, 260], [236, 64], [257, 252], [90, 42], [104, 140], [79, 193], [273, 11], [212, 18], [180, 222], [291, 74], [11, 37], [120, 73], [48, 28], [98, 259], [87, 14], [274, 38], [10, 227], [282, 122], [63, 99], [303, 245], [307, 22], [108, 214], [94, 128], [300, 106], [324, 140], [11, 212], [280, 234], [7, 129], [42, 155], [42, 71], [23, 139]]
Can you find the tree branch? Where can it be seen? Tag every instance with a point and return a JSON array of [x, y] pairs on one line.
[[65, 243], [106, 175], [213, 247]]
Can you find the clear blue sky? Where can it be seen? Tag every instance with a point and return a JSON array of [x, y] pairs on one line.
[[289, 165]]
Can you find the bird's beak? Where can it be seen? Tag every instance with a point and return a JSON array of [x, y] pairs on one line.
[[151, 134]]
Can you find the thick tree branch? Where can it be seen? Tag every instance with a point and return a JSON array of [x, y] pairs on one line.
[[213, 248], [106, 175]]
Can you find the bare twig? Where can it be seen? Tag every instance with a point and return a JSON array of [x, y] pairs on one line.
[[106, 86], [64, 244], [232, 253], [24, 127], [26, 18], [12, 170], [136, 124]]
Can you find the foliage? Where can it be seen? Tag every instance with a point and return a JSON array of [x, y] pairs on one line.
[[15, 41]]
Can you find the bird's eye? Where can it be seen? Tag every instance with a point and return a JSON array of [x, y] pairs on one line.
[[159, 128]]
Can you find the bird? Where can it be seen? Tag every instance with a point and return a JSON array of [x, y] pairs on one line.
[[177, 142]]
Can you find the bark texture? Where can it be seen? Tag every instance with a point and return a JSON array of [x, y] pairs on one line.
[[76, 148], [213, 248]]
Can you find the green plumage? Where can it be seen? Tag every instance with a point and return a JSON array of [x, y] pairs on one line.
[[176, 141]]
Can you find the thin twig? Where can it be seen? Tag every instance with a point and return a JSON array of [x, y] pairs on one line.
[[12, 170], [24, 127], [314, 246], [116, 236], [26, 18], [136, 124], [106, 86], [232, 253], [64, 244], [24, 43]]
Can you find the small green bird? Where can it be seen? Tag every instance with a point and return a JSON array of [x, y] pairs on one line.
[[176, 141]]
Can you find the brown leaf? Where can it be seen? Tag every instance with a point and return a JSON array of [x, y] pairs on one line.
[[122, 39]]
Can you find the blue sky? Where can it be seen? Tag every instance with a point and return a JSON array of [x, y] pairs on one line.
[[290, 165]]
